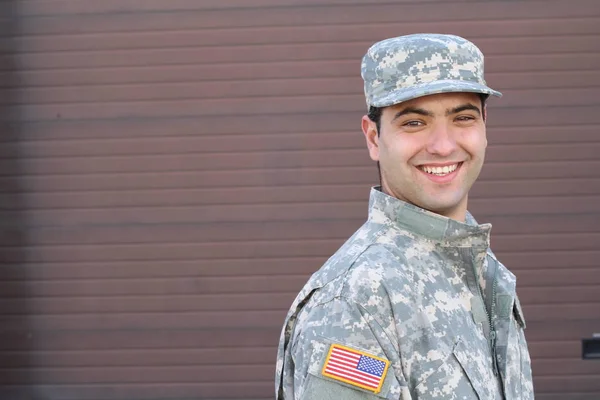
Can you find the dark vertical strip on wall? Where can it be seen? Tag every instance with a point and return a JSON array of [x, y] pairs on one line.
[[15, 351]]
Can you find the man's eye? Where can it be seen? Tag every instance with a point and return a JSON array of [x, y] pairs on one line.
[[413, 123], [465, 118]]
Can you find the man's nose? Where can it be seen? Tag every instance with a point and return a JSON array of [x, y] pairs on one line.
[[441, 141]]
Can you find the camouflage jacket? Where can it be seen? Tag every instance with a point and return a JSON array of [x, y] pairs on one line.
[[413, 306]]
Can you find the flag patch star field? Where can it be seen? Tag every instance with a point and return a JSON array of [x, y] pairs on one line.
[[355, 368]]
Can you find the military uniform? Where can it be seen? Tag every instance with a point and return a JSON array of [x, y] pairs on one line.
[[414, 305], [421, 292]]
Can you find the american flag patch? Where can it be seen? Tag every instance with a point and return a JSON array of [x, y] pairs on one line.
[[355, 368]]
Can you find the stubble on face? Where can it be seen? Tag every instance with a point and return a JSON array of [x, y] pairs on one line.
[[431, 151]]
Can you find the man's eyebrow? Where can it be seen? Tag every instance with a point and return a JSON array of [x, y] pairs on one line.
[[412, 110], [462, 108]]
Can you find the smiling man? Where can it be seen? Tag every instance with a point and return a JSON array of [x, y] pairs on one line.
[[414, 305]]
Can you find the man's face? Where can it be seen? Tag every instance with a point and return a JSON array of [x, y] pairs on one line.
[[431, 150]]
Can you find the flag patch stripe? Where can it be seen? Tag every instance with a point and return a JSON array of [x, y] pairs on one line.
[[342, 356], [344, 362], [357, 377], [355, 368]]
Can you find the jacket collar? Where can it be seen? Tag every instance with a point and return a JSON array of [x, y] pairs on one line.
[[390, 211]]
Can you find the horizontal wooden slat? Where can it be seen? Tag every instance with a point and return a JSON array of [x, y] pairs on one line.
[[174, 35], [552, 337], [151, 391], [160, 287], [183, 251], [189, 233], [186, 90], [132, 358], [569, 274], [547, 135], [567, 222], [150, 321], [199, 179], [542, 350], [550, 330], [561, 383], [118, 269], [201, 162], [50, 144], [563, 313], [66, 7], [574, 366], [554, 351], [546, 242], [168, 339], [328, 12], [567, 395], [138, 374], [562, 294], [150, 303]]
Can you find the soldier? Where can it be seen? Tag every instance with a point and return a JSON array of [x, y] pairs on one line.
[[414, 305]]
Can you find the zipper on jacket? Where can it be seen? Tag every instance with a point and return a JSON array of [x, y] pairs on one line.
[[492, 330], [492, 338]]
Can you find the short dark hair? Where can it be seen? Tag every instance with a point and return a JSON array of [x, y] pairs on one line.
[[374, 113]]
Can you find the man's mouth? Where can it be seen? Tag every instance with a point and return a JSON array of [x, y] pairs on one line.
[[439, 170]]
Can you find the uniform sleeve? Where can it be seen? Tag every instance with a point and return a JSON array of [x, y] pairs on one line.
[[342, 352]]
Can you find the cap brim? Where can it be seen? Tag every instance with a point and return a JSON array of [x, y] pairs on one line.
[[426, 89]]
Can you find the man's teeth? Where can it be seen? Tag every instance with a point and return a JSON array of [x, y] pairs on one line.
[[440, 170]]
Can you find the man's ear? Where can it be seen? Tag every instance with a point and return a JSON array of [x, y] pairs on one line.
[[370, 130]]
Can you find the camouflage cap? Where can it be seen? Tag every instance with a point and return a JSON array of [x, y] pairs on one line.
[[406, 67]]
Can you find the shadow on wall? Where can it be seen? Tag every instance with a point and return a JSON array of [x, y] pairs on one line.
[[15, 347]]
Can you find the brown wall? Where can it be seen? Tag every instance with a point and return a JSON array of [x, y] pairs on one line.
[[172, 172]]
